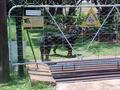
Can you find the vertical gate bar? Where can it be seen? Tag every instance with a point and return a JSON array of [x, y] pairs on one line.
[[19, 43]]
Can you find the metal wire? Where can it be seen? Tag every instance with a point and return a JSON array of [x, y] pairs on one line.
[[64, 6]]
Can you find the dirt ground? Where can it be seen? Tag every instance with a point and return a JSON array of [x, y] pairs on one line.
[[113, 84]]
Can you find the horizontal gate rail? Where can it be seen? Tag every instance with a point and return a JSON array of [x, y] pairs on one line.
[[62, 6]]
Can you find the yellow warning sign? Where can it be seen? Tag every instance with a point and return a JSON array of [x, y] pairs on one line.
[[91, 20]]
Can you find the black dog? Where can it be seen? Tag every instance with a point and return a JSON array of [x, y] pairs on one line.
[[50, 40]]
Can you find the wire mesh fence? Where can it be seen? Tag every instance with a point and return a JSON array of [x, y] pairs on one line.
[[61, 33]]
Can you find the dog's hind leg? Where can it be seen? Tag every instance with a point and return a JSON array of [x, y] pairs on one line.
[[54, 49], [70, 55], [69, 52]]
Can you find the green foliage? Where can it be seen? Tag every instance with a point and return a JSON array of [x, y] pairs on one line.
[[59, 18], [79, 19]]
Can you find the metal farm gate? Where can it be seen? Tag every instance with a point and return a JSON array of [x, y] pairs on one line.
[[77, 42]]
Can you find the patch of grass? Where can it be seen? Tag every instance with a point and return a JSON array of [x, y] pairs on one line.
[[24, 84], [105, 49]]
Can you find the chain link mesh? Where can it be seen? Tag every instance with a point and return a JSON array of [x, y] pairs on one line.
[[69, 20]]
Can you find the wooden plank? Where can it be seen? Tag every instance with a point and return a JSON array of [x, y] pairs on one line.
[[42, 74]]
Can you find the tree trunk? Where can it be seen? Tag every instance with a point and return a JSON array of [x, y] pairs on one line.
[[4, 59]]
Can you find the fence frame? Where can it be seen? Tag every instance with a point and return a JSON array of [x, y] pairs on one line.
[[68, 6]]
